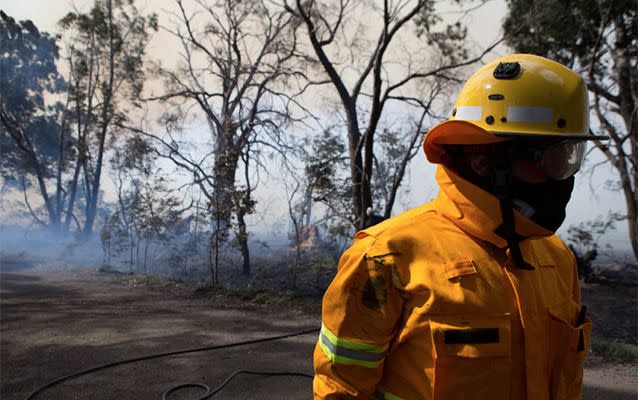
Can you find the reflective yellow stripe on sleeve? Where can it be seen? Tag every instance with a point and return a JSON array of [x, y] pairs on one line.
[[381, 394], [342, 351]]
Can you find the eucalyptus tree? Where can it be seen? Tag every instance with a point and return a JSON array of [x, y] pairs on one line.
[[147, 212], [239, 71], [34, 147], [105, 50], [374, 55], [601, 42]]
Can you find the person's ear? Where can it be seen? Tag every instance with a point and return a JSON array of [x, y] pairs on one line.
[[480, 164]]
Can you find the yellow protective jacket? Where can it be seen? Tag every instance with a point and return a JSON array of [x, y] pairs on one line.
[[427, 305]]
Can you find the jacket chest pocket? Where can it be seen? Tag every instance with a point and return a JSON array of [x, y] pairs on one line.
[[569, 336], [472, 357]]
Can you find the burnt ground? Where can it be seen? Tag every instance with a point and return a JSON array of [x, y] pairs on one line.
[[613, 310], [60, 321]]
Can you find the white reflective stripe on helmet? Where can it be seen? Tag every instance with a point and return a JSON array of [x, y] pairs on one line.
[[541, 115], [469, 113]]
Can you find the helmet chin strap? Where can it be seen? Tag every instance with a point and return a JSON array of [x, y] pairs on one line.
[[501, 188]]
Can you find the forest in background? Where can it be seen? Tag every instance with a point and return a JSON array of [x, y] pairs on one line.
[[329, 98]]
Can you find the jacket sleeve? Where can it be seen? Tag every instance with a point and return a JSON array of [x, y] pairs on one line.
[[360, 311]]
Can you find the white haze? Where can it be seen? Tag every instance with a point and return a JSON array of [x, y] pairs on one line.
[[589, 199]]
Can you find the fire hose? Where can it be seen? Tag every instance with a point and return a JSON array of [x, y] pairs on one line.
[[209, 392]]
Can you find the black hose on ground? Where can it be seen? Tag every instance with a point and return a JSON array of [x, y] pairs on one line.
[[210, 393], [178, 352]]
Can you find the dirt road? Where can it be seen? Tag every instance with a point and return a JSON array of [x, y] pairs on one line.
[[58, 322]]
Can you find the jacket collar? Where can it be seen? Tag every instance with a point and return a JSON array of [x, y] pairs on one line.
[[476, 211]]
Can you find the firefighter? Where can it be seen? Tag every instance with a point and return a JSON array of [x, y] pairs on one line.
[[472, 296]]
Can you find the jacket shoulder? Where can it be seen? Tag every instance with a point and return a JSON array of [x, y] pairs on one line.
[[556, 248], [405, 218], [383, 238], [552, 251]]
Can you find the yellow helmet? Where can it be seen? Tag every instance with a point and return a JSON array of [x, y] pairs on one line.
[[519, 95]]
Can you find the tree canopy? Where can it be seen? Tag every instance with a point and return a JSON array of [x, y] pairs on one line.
[[599, 39], [30, 140]]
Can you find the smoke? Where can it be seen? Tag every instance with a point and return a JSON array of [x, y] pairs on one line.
[[185, 257], [21, 248]]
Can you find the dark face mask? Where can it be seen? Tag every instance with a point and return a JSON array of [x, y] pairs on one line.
[[544, 203]]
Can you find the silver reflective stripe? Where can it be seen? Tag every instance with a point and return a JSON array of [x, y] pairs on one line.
[[469, 113], [542, 115], [359, 355]]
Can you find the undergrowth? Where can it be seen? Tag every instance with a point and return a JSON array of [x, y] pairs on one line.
[[614, 351], [288, 299]]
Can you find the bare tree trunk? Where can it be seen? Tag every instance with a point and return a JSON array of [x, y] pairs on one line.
[[131, 252], [631, 198], [146, 243], [226, 165], [225, 169], [108, 252], [308, 207], [24, 143], [356, 168], [242, 241], [92, 200], [295, 265], [213, 257], [137, 251], [628, 93], [73, 189], [366, 179], [244, 205], [58, 178], [633, 232], [298, 250], [407, 156], [297, 231], [81, 150], [53, 218]]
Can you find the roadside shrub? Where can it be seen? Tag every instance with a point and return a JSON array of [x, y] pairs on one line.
[[614, 351]]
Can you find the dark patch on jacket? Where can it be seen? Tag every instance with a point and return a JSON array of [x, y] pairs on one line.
[[374, 294]]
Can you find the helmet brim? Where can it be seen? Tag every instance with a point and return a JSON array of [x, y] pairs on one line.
[[565, 136], [464, 132], [455, 132]]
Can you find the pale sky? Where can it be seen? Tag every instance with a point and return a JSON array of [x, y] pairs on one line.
[[588, 200]]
